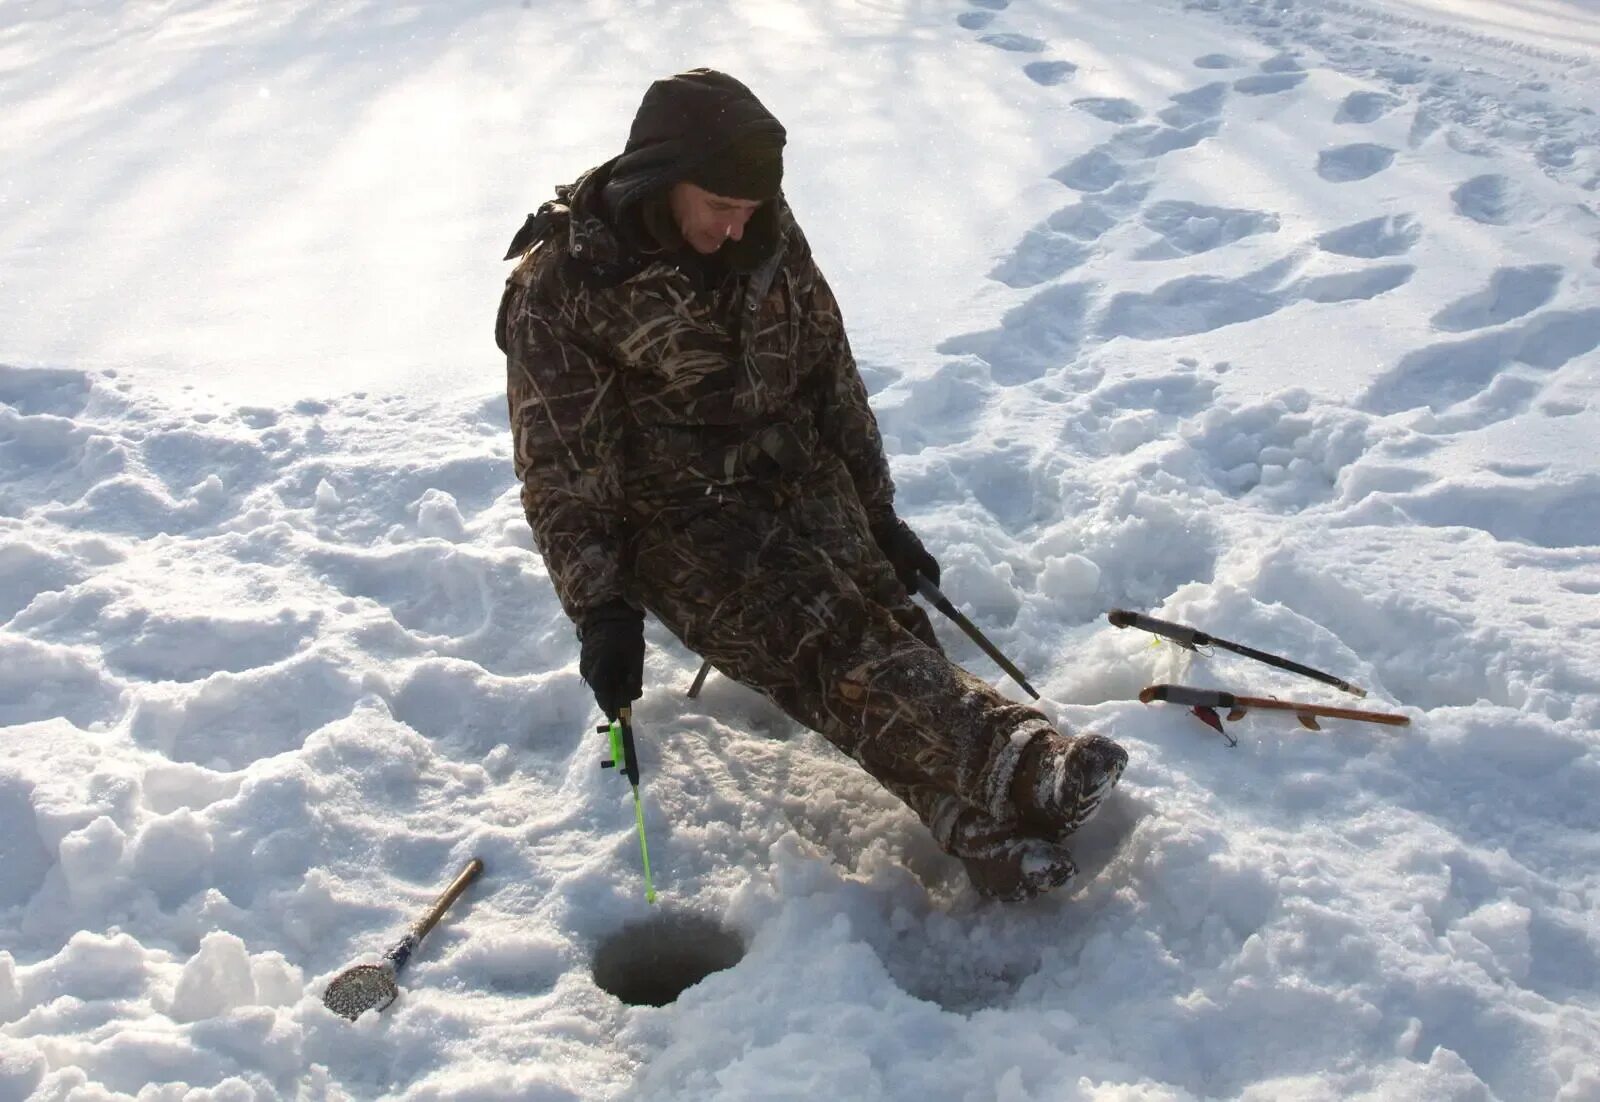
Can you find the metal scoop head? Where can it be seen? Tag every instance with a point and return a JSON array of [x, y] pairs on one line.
[[363, 987]]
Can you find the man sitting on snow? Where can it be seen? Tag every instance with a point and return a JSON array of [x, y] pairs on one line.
[[693, 440]]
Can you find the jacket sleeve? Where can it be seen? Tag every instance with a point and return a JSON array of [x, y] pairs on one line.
[[844, 419], [567, 419]]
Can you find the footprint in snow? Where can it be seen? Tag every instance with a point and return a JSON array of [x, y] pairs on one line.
[[1200, 304], [1200, 105], [1549, 514], [52, 391], [1121, 111], [1512, 293], [1345, 163], [1066, 239], [1556, 152], [1265, 84], [1043, 333], [1102, 167], [1147, 142], [1016, 43], [1282, 63], [1193, 117], [1362, 107], [1049, 72], [1186, 229], [939, 410], [1390, 235], [1197, 304], [239, 719], [1454, 372], [1216, 61], [1096, 170], [1491, 199], [975, 20]]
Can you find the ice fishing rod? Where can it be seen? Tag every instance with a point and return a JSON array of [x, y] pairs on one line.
[[626, 761], [931, 594], [365, 987], [1193, 638], [939, 601], [1205, 703]]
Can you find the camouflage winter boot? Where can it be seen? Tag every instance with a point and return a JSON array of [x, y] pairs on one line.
[[1061, 781], [1001, 863]]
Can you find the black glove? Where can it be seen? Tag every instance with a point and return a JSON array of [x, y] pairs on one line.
[[905, 553], [611, 657]]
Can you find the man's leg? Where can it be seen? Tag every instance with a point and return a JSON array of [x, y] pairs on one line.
[[742, 589], [776, 612], [1060, 781]]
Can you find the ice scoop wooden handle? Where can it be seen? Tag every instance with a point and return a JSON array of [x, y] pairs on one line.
[[468, 874]]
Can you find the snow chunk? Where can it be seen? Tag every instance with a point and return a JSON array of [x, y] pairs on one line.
[[439, 516], [327, 498], [91, 861], [172, 856], [216, 980], [224, 976]]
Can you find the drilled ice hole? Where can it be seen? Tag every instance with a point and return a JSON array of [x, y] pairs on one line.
[[653, 961]]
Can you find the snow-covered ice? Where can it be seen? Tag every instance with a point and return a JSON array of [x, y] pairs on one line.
[[1278, 319]]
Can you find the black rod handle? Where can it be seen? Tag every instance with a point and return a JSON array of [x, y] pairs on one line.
[[939, 601]]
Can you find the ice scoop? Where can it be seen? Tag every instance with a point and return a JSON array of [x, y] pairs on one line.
[[364, 987]]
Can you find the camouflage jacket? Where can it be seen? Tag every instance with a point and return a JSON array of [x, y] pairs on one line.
[[635, 394]]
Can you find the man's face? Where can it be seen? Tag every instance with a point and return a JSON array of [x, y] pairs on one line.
[[707, 220]]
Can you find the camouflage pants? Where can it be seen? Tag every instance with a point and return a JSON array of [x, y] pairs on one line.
[[796, 601]]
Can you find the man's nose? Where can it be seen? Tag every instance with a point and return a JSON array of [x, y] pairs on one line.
[[734, 231]]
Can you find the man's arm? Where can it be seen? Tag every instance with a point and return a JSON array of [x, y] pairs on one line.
[[844, 418], [846, 425], [567, 419]]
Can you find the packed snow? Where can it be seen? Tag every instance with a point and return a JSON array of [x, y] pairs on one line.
[[1279, 319]]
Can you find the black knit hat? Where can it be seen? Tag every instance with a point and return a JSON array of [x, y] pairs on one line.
[[751, 167]]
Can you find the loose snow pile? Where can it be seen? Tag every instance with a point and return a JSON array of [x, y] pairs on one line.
[[1280, 320]]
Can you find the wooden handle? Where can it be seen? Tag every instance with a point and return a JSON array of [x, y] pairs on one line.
[[1326, 711], [468, 874]]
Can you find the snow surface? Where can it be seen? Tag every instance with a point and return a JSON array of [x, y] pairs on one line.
[[1280, 319]]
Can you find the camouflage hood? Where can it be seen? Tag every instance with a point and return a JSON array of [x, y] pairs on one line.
[[683, 121]]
